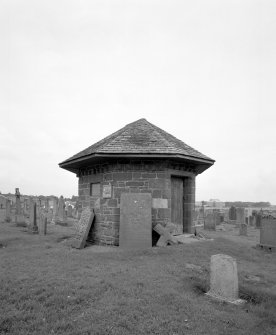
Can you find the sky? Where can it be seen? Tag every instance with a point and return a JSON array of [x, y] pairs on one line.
[[73, 72]]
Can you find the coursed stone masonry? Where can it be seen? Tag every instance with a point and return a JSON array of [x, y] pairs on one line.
[[137, 176]]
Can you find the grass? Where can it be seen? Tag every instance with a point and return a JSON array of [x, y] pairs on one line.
[[46, 287]]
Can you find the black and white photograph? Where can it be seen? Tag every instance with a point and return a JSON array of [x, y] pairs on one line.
[[137, 167]]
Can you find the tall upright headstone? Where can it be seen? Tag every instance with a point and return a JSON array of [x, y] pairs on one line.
[[61, 218], [258, 220], [224, 279], [240, 215], [268, 232], [43, 225], [17, 202], [232, 213], [33, 228], [8, 210], [55, 210], [69, 211], [19, 216], [135, 221]]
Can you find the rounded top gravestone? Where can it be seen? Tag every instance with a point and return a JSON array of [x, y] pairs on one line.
[[224, 279]]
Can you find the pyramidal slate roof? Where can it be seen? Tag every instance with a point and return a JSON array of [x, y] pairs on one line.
[[139, 138]]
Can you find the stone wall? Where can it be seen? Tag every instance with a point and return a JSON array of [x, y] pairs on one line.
[[152, 177]]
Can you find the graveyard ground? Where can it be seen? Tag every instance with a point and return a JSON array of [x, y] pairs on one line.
[[48, 288]]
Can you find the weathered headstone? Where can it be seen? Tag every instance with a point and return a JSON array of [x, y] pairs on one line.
[[8, 210], [19, 216], [258, 220], [210, 221], [268, 232], [43, 225], [232, 213], [50, 214], [135, 221], [243, 229], [240, 215], [69, 211], [55, 210], [224, 279], [61, 218], [17, 202], [33, 228], [83, 228]]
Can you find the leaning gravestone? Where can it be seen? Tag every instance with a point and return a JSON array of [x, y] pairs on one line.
[[135, 221], [83, 228], [224, 279], [210, 221]]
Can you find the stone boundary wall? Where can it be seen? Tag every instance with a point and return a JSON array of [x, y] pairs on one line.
[[132, 177]]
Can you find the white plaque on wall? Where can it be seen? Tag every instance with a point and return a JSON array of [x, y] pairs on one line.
[[107, 190]]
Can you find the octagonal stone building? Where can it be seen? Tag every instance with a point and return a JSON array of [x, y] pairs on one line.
[[139, 158]]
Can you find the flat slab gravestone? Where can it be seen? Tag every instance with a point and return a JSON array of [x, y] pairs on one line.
[[83, 227], [268, 232], [210, 222], [224, 279], [240, 215], [135, 221]]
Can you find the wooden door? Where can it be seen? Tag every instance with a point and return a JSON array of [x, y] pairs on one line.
[[177, 203]]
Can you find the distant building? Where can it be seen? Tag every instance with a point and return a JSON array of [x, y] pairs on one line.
[[215, 203]]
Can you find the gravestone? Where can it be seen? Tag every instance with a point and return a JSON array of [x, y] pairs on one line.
[[210, 221], [43, 225], [61, 218], [135, 221], [8, 210], [243, 229], [258, 220], [240, 215], [83, 228], [224, 279], [268, 232], [50, 214], [69, 211], [33, 228], [20, 220], [55, 210], [232, 213], [17, 202]]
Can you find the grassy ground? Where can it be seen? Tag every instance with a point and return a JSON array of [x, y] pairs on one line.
[[48, 288]]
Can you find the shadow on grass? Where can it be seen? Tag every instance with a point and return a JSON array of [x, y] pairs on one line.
[[259, 300]]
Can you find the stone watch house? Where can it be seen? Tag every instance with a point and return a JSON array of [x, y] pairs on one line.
[[139, 158]]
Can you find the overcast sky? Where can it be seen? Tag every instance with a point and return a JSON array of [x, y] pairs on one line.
[[73, 72]]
